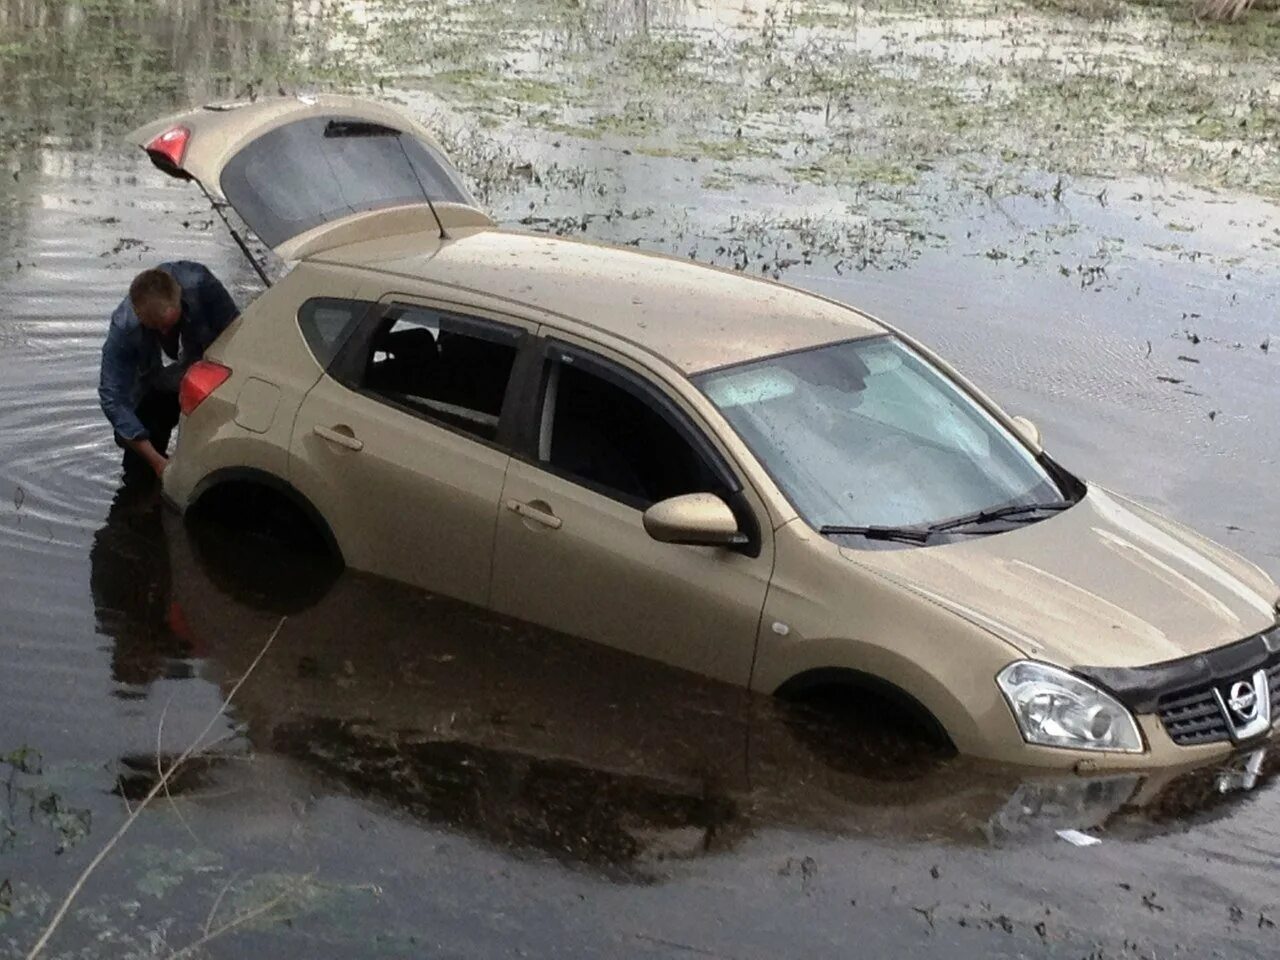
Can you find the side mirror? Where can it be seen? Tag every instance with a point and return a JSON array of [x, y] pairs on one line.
[[694, 519], [1028, 431]]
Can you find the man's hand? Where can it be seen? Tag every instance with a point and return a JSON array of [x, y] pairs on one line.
[[156, 460]]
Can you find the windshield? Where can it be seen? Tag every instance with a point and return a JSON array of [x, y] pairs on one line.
[[867, 432]]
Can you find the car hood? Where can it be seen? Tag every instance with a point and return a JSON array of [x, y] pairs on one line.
[[1104, 583]]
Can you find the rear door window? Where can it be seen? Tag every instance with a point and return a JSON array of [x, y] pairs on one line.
[[448, 368], [326, 322], [320, 169]]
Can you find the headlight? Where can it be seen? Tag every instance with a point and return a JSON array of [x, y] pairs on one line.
[[1055, 708]]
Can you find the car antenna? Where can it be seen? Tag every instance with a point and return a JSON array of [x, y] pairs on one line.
[[235, 235], [426, 196]]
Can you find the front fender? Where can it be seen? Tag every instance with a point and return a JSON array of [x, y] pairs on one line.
[[823, 612]]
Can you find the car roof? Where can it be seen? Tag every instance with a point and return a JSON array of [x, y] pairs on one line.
[[696, 317]]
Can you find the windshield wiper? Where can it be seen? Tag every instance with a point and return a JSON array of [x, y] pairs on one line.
[[1015, 510], [921, 534], [902, 534]]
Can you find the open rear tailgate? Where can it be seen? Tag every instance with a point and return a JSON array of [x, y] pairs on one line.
[[301, 169]]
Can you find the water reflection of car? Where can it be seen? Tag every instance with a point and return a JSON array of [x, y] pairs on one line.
[[723, 474], [131, 585], [537, 741]]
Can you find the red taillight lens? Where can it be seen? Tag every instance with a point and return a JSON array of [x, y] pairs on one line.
[[202, 378], [169, 149]]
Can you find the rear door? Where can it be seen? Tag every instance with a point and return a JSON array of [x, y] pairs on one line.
[[297, 168], [403, 445], [571, 551]]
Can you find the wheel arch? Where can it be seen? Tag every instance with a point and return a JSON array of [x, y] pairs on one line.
[[811, 682], [253, 476]]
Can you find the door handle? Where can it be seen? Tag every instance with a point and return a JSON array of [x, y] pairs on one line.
[[535, 512], [342, 436]]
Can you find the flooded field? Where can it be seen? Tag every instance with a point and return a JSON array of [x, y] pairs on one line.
[[1074, 200]]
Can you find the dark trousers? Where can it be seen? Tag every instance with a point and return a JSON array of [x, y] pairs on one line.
[[158, 411]]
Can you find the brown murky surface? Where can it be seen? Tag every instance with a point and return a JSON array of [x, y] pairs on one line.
[[403, 776]]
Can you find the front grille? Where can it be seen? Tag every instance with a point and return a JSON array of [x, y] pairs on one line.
[[1192, 717], [1183, 692]]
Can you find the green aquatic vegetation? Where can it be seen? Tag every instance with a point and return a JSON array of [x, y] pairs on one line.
[[192, 899], [161, 870], [32, 798], [732, 148], [85, 65], [843, 168], [662, 56], [460, 80], [820, 18], [631, 121], [1090, 97], [1107, 10], [526, 91], [717, 181], [577, 130]]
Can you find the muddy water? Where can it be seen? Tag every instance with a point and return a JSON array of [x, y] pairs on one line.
[[403, 776]]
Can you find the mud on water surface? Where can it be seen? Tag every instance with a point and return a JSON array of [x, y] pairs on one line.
[[1074, 200]]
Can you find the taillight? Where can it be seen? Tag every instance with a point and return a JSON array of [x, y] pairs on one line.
[[202, 378], [168, 150]]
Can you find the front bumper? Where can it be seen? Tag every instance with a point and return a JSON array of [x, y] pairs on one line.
[[1229, 695]]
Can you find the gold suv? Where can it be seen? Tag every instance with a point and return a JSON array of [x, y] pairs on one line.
[[725, 474]]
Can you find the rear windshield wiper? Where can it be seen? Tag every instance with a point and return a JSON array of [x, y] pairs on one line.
[[901, 534], [1009, 512]]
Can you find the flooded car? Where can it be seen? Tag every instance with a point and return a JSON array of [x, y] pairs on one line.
[[727, 475]]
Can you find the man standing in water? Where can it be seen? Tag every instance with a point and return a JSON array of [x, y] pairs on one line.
[[172, 314]]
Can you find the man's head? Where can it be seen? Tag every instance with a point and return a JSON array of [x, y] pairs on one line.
[[156, 299]]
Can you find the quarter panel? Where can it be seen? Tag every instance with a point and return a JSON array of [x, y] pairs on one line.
[[248, 421]]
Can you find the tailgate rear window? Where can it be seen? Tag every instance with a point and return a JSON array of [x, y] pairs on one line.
[[320, 169]]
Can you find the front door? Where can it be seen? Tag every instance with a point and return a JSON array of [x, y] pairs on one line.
[[571, 551], [402, 445]]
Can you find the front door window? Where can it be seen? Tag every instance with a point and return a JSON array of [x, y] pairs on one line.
[[610, 438]]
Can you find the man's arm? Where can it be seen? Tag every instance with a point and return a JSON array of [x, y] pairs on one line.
[[115, 395], [216, 304]]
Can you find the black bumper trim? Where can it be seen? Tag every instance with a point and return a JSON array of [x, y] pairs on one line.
[[1141, 688]]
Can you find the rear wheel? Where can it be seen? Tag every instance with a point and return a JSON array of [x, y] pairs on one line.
[[260, 545]]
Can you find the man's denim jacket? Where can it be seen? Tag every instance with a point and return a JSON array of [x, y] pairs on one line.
[[132, 357]]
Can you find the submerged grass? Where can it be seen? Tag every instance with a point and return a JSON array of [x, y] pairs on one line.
[[1071, 86], [1099, 87], [30, 801]]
